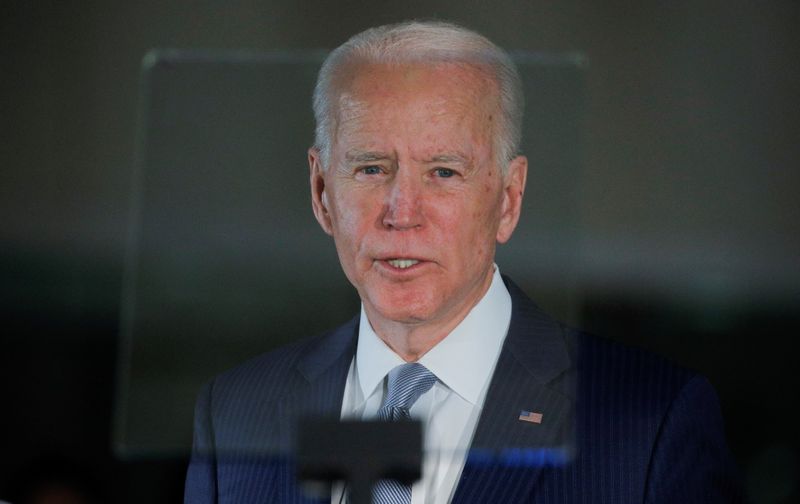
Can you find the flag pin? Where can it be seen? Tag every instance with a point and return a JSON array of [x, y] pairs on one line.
[[530, 416]]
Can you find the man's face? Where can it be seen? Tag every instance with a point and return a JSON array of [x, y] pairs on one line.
[[412, 194]]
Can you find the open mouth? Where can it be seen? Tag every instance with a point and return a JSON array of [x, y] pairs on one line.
[[402, 263]]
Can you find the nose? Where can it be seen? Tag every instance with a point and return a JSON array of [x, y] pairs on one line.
[[404, 202]]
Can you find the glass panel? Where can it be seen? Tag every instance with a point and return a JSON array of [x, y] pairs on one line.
[[226, 260]]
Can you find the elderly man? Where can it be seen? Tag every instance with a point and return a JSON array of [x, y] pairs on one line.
[[416, 175]]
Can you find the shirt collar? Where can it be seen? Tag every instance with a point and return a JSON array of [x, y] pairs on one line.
[[463, 361], [374, 358]]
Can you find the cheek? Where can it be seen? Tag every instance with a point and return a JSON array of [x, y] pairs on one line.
[[483, 230], [486, 215], [352, 219], [347, 233], [467, 232]]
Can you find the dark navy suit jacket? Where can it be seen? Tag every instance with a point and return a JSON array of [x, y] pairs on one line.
[[619, 425]]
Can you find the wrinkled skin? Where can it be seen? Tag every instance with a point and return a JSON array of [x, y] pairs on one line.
[[413, 175]]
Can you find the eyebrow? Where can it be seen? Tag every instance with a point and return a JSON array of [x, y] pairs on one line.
[[365, 157], [449, 158], [357, 157]]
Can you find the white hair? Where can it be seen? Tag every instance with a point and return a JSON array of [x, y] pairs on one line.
[[425, 42]]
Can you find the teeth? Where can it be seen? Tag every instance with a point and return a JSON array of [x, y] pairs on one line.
[[402, 263]]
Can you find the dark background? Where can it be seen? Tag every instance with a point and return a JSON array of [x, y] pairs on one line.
[[688, 203]]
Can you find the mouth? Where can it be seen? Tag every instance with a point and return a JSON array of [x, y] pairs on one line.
[[401, 266], [402, 263]]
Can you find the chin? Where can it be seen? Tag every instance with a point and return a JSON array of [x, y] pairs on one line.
[[405, 307]]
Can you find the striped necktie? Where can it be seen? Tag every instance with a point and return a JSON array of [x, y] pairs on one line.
[[407, 383]]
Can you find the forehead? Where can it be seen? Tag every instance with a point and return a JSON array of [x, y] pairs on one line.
[[367, 77], [437, 98]]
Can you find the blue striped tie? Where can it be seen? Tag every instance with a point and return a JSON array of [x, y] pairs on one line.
[[406, 384]]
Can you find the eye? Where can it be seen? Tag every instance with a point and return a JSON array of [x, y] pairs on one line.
[[371, 170], [444, 172]]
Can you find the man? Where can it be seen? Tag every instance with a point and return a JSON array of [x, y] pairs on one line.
[[415, 173]]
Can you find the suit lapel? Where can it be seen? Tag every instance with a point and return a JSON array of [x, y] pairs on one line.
[[321, 376], [507, 454]]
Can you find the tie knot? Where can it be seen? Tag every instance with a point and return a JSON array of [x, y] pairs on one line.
[[407, 383]]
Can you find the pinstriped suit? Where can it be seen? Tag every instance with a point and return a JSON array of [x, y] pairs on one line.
[[638, 428]]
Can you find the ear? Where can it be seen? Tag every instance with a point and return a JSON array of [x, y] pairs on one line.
[[319, 202], [513, 190]]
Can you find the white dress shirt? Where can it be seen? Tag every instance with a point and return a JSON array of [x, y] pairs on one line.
[[463, 362]]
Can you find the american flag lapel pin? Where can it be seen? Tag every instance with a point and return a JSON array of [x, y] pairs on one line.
[[530, 416]]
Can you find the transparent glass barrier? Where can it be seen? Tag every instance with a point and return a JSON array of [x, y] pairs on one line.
[[226, 261]]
